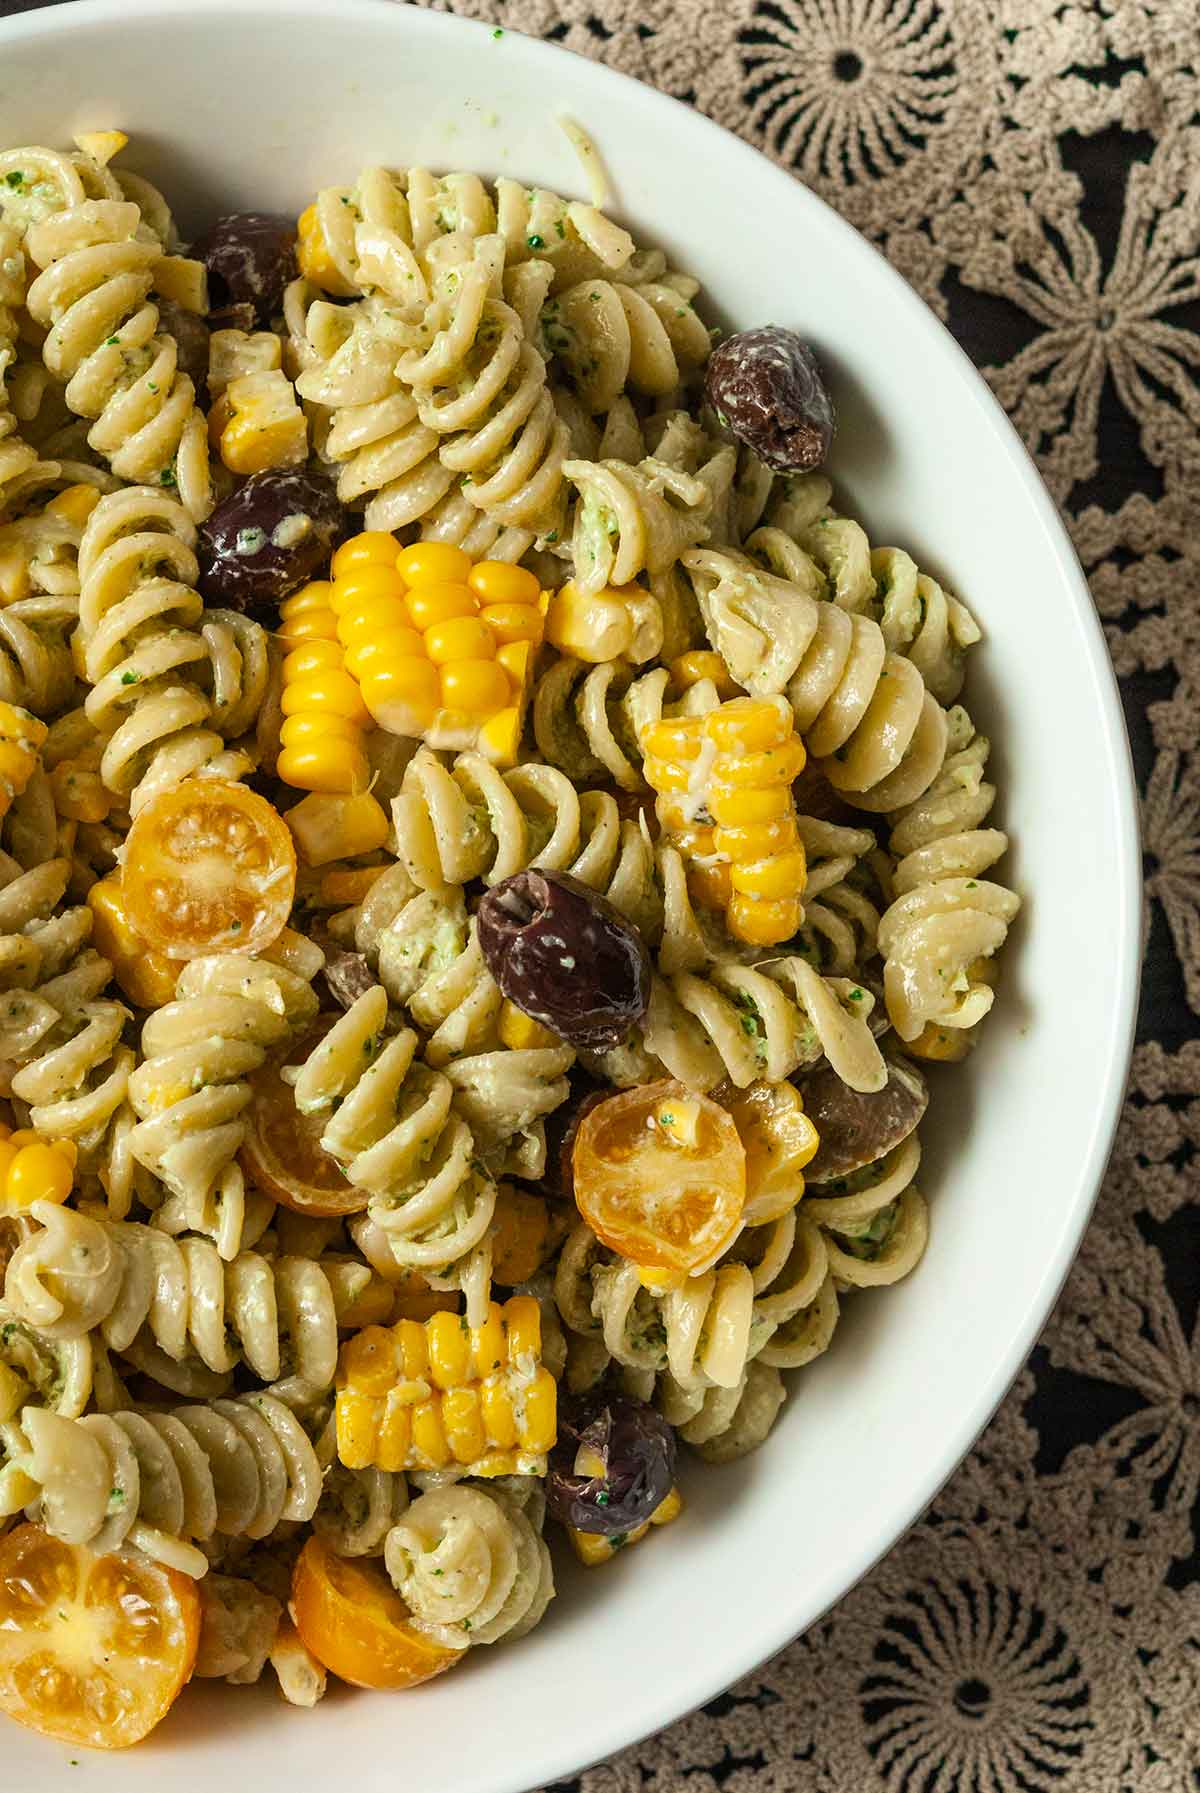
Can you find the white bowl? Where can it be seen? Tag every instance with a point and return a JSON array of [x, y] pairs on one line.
[[256, 105]]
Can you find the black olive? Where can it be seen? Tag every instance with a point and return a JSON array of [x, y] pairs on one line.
[[250, 257], [857, 1128], [566, 957], [637, 1449], [267, 538], [766, 388]]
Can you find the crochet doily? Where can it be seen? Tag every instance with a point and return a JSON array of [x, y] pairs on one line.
[[1033, 168]]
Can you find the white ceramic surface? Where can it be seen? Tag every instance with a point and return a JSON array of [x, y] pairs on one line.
[[255, 105]]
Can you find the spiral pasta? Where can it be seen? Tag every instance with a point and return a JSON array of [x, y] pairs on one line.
[[146, 653], [97, 260], [877, 734], [394, 1131], [470, 1565], [161, 1482], [190, 1093], [17, 457], [938, 937], [745, 1022], [588, 719], [607, 336], [176, 1309], [630, 520]]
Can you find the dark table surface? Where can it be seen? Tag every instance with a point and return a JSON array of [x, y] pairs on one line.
[[1033, 168]]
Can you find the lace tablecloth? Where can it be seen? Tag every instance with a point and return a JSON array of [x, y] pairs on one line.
[[1033, 168]]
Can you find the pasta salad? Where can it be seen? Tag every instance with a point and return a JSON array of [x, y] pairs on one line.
[[487, 852]]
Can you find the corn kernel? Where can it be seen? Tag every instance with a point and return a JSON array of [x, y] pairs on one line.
[[463, 1421], [329, 826], [403, 696], [762, 922], [778, 878], [681, 738], [500, 737], [523, 1320], [478, 686], [329, 766], [429, 605], [774, 765], [520, 1032], [497, 582], [513, 622], [312, 657], [342, 889], [357, 1428], [147, 977], [730, 807], [368, 1361], [395, 1438], [334, 692], [314, 259], [39, 1172], [462, 638], [370, 548], [80, 794], [667, 776], [378, 651], [749, 724], [75, 504], [433, 563], [309, 726], [429, 1442], [449, 1349], [184, 281], [266, 428], [703, 663], [941, 1045], [499, 1416], [520, 1235], [592, 626], [756, 840]]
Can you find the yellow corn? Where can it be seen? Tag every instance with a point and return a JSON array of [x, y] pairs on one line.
[[520, 1236], [147, 977], [184, 281], [341, 890], [315, 261], [594, 1548], [266, 426], [21, 738], [321, 740], [34, 1170], [75, 503], [724, 795], [519, 1031], [329, 826], [703, 663], [436, 1394], [442, 649], [593, 626]]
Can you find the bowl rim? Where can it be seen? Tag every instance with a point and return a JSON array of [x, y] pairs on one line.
[[733, 1652]]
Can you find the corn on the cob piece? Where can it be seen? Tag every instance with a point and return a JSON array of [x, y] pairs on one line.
[[34, 1170], [442, 649], [444, 1395], [724, 794], [593, 1548], [321, 740]]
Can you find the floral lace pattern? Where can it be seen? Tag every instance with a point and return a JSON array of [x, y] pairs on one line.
[[1031, 167]]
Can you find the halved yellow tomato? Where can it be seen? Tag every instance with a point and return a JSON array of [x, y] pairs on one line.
[[208, 868], [282, 1153], [660, 1176], [355, 1623], [93, 1649]]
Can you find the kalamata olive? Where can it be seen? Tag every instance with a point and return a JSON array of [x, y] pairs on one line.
[[766, 388], [566, 957], [631, 1450], [190, 334], [267, 538], [858, 1127], [250, 257], [346, 975]]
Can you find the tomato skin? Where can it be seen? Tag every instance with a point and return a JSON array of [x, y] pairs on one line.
[[282, 1154], [357, 1626], [660, 1177], [93, 1649], [209, 867]]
